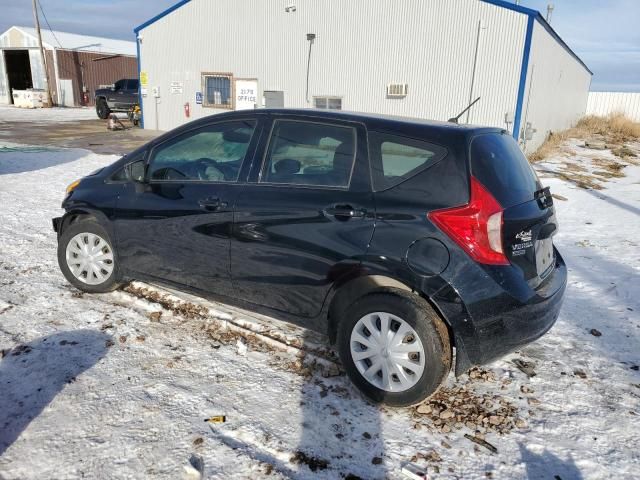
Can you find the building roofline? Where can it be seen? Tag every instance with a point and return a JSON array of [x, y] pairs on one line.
[[538, 16], [160, 15], [498, 3], [24, 32]]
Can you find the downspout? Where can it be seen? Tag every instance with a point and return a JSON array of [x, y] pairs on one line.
[[473, 72], [310, 37], [523, 77], [139, 84]]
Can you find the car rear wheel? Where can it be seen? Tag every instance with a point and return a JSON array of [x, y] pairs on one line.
[[102, 109], [395, 348], [87, 259]]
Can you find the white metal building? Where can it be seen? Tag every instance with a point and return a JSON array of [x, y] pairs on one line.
[[77, 64], [419, 58], [607, 103]]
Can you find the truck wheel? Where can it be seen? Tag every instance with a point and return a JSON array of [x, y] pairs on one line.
[[394, 347], [102, 109], [87, 259]]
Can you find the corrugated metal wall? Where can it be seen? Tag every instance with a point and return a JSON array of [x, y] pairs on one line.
[[96, 69], [360, 47], [604, 103], [4, 82], [37, 69], [14, 38], [556, 90]]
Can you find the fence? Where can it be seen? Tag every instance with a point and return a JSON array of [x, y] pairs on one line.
[[604, 103]]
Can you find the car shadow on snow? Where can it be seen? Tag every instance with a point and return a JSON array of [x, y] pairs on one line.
[[339, 427], [613, 280], [20, 159], [33, 373], [547, 465], [614, 201], [340, 432]]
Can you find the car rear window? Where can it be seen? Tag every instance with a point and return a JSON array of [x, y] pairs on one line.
[[396, 158], [499, 164]]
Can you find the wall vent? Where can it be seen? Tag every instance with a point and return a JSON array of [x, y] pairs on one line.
[[397, 89]]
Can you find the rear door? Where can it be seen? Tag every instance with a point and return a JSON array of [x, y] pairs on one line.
[[529, 220], [176, 225], [306, 216]]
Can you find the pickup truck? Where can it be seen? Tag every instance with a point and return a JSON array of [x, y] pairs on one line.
[[121, 97]]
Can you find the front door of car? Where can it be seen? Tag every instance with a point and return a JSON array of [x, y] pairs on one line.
[[130, 96], [115, 97], [305, 218], [176, 225]]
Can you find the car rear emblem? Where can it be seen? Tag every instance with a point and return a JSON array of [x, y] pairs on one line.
[[524, 236]]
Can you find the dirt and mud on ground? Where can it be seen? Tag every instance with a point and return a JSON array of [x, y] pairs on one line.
[[70, 128]]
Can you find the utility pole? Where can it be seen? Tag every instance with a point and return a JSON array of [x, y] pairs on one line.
[[44, 62]]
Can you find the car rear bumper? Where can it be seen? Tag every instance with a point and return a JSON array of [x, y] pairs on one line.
[[505, 323]]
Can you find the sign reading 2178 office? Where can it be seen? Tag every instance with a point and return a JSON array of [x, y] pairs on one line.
[[246, 94]]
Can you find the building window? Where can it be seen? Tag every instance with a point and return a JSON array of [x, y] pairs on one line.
[[331, 103], [217, 90]]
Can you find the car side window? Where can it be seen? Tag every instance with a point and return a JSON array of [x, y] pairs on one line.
[[132, 84], [210, 154], [132, 170], [307, 153], [395, 158], [120, 84]]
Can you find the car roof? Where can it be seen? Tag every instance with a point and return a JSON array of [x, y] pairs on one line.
[[443, 132], [365, 117]]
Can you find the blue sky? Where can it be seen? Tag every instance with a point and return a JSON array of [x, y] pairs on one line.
[[604, 33]]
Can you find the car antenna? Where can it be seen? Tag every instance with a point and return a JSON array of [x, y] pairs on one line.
[[455, 119]]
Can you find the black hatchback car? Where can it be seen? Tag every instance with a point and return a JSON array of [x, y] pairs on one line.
[[401, 239]]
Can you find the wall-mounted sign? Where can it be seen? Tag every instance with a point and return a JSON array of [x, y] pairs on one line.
[[176, 87], [246, 93], [199, 98], [144, 79]]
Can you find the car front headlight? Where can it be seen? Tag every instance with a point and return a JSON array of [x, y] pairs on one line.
[[72, 186]]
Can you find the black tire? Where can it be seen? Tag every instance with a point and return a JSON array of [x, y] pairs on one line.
[[427, 324], [102, 109], [113, 281]]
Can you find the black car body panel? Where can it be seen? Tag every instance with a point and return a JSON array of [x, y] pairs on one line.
[[301, 251]]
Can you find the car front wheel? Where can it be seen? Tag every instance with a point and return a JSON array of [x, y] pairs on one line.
[[395, 348], [87, 259]]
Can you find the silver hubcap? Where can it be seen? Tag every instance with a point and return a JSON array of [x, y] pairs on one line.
[[90, 259], [387, 352]]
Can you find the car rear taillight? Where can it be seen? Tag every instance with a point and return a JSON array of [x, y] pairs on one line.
[[476, 226]]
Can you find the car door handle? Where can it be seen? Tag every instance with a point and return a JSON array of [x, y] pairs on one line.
[[213, 204], [345, 211]]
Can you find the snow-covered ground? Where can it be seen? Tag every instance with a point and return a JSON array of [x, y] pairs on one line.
[[9, 113], [118, 385]]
